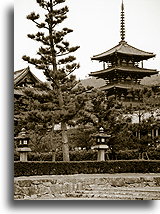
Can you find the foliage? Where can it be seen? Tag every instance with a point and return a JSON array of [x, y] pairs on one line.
[[81, 137], [82, 155], [90, 155], [85, 167], [100, 111], [148, 101], [38, 120]]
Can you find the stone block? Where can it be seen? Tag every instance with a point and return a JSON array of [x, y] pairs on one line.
[[24, 183], [42, 190], [47, 184], [19, 190], [56, 189]]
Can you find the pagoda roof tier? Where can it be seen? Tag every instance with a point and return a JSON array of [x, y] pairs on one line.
[[123, 48], [121, 86], [131, 69]]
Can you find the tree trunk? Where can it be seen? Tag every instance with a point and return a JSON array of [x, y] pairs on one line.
[[65, 147], [52, 143], [139, 134]]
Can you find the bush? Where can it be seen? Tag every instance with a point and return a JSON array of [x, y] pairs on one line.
[[32, 156], [82, 155], [127, 154], [90, 155], [85, 167], [154, 155]]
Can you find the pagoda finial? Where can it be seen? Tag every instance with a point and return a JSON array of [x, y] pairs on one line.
[[122, 30]]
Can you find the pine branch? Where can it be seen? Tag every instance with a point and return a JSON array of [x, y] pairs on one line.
[[69, 50], [85, 91], [66, 60], [32, 16], [65, 78]]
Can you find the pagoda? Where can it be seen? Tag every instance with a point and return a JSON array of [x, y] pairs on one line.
[[123, 67]]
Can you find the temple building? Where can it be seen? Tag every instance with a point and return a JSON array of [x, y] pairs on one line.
[[123, 68], [24, 78]]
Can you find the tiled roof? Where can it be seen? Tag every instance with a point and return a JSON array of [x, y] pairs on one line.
[[20, 74], [18, 91], [123, 48], [124, 68], [21, 91]]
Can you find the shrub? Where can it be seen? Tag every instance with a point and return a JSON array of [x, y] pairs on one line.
[[90, 155], [154, 155], [82, 155], [85, 167], [127, 154]]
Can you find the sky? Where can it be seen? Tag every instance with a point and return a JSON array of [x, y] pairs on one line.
[[96, 28]]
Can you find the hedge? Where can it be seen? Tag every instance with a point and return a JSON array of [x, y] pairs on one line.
[[85, 167]]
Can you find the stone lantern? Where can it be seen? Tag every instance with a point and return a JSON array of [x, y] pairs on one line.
[[101, 144], [23, 148]]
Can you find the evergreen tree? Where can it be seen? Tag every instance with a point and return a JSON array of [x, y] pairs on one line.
[[100, 111], [57, 64]]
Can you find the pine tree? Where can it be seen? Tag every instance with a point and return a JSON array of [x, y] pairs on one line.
[[54, 59], [100, 111]]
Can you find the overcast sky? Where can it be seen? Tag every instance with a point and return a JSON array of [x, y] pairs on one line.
[[96, 25]]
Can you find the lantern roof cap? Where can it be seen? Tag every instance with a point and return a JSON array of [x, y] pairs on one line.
[[22, 134], [101, 133], [101, 129]]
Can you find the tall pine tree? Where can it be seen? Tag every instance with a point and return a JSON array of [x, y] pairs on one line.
[[54, 59]]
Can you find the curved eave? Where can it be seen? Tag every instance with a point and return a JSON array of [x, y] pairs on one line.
[[18, 92], [21, 91], [123, 69], [108, 58], [123, 49]]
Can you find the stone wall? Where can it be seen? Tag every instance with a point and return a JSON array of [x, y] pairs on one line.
[[99, 186]]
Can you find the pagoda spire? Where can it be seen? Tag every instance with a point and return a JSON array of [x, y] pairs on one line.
[[122, 29]]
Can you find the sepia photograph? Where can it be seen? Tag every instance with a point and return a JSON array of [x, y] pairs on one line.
[[86, 100]]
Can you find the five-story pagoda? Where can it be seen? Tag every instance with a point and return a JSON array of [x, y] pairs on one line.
[[123, 67]]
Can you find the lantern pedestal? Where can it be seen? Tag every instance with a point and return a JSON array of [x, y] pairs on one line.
[[101, 151], [23, 153]]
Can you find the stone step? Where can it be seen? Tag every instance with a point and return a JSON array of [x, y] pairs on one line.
[[115, 195], [97, 195], [127, 190], [106, 197]]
